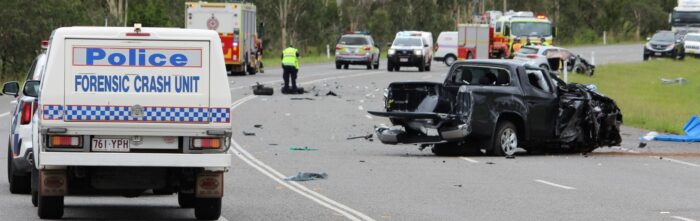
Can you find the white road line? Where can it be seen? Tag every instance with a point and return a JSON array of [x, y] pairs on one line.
[[682, 218], [469, 159], [294, 186], [4, 114], [681, 162], [360, 107], [368, 116], [555, 185]]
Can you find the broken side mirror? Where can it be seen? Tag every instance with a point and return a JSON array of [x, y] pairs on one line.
[[31, 88], [11, 88]]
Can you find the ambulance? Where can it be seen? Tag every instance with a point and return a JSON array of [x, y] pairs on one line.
[[123, 111]]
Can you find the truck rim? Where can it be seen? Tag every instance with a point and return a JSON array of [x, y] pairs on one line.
[[509, 141]]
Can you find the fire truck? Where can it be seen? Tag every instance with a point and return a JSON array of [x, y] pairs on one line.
[[236, 25], [499, 33]]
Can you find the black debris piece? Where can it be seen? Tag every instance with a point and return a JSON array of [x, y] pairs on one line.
[[489, 162], [510, 157], [366, 137], [248, 133], [258, 126], [362, 161], [301, 98], [260, 89], [331, 93], [273, 144], [443, 161], [642, 145], [458, 185], [299, 90], [307, 176]]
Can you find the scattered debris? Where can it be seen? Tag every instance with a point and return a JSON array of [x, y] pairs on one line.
[[679, 80], [366, 137], [650, 136], [248, 133], [331, 93], [303, 149], [260, 89], [301, 98], [273, 144], [510, 157], [489, 162], [299, 90], [307, 176], [691, 129], [362, 161], [443, 161], [258, 126], [458, 185], [642, 145]]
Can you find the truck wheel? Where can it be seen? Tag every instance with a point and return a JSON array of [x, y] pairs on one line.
[[646, 57], [251, 70], [369, 66], [389, 67], [505, 141], [449, 60], [18, 184], [207, 208], [421, 67], [397, 68], [50, 207], [337, 65], [186, 200], [346, 66]]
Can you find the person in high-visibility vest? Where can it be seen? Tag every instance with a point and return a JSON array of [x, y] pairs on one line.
[[290, 65], [544, 42], [517, 44]]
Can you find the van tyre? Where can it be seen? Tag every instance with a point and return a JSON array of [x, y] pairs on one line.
[[18, 184], [421, 67], [505, 141], [50, 207], [346, 66], [337, 65], [186, 200], [207, 208], [449, 60], [369, 66], [389, 67]]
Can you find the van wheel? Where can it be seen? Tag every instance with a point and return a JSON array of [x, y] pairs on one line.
[[421, 67], [505, 141], [337, 65], [251, 70], [449, 60], [208, 208], [646, 57], [346, 66], [389, 67], [18, 184], [50, 207], [369, 66], [186, 200]]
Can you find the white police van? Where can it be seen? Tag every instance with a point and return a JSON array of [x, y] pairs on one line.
[[127, 110]]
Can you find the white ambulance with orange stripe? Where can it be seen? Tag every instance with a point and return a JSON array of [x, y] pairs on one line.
[[127, 110]]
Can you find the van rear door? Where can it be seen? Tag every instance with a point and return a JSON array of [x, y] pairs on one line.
[[137, 81]]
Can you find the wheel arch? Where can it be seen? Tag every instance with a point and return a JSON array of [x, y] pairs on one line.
[[517, 120]]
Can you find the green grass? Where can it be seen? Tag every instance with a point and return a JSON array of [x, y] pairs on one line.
[[274, 62], [646, 102]]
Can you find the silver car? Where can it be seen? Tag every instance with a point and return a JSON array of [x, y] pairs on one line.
[[541, 56]]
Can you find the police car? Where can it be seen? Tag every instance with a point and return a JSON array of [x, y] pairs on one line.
[[19, 145], [130, 110]]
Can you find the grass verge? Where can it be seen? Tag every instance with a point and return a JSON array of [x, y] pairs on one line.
[[644, 100]]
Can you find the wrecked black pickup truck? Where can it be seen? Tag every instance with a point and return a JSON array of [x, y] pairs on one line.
[[498, 106]]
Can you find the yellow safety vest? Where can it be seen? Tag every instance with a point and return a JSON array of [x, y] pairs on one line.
[[289, 57]]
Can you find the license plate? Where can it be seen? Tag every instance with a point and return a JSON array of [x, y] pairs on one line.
[[110, 145], [403, 59], [657, 53]]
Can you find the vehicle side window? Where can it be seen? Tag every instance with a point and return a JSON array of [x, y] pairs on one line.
[[481, 76], [537, 80]]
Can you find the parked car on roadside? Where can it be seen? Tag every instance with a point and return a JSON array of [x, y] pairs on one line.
[[446, 47], [19, 148], [356, 49], [691, 44], [664, 44]]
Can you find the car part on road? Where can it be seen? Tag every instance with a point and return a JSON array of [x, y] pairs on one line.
[[307, 176], [679, 80], [248, 133], [302, 149], [366, 137], [301, 98], [260, 89], [331, 93], [691, 129]]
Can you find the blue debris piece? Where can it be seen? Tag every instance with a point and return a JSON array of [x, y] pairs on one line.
[[691, 129]]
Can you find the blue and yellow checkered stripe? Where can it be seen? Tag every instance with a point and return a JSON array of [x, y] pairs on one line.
[[90, 113]]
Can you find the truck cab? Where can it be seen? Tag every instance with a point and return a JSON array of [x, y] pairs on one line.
[[498, 106], [130, 110], [411, 48]]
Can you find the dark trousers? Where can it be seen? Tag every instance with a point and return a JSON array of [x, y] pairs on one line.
[[290, 72]]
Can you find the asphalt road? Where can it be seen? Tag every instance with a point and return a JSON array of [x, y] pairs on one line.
[[371, 181]]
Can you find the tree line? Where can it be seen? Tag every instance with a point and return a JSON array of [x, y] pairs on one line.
[[310, 25]]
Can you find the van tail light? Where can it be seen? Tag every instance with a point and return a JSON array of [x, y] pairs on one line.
[[532, 56], [65, 142], [367, 48], [28, 110], [338, 47], [206, 143]]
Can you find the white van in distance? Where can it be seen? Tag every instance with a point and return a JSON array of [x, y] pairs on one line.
[[126, 110], [446, 47]]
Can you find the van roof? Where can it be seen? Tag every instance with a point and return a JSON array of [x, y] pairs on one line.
[[120, 32]]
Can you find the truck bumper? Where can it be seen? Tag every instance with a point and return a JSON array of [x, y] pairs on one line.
[[214, 161]]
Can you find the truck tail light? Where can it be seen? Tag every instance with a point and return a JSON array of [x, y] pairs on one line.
[[65, 142], [28, 110], [338, 47], [206, 143]]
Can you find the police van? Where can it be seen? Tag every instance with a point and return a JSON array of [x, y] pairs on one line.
[[125, 110]]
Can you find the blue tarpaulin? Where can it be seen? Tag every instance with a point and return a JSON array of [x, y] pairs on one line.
[[691, 129]]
